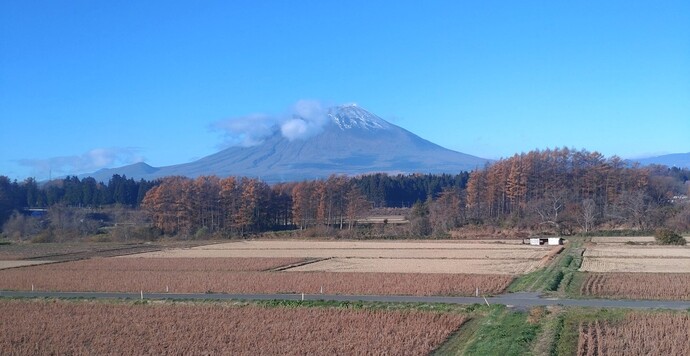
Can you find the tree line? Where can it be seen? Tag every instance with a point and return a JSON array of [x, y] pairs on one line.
[[284, 205], [70, 191], [241, 205], [555, 190], [568, 190]]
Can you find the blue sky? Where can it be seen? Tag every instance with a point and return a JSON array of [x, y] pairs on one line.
[[92, 84]]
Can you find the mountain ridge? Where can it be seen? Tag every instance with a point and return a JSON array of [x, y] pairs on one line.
[[350, 141], [680, 160]]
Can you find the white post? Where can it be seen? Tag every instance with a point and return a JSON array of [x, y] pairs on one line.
[[321, 289], [142, 295], [166, 289], [487, 302], [32, 287], [476, 292], [302, 296]]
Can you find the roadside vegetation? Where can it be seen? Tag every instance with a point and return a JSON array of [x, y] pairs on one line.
[[556, 277], [497, 331], [669, 237]]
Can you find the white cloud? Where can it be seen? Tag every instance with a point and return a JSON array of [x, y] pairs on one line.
[[246, 131], [87, 162], [304, 119], [307, 119]]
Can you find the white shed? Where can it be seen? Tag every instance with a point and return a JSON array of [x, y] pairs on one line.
[[555, 241], [535, 241], [538, 241]]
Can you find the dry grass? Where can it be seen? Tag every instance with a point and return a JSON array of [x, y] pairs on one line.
[[416, 265], [97, 328], [640, 265], [127, 275], [638, 285], [637, 334]]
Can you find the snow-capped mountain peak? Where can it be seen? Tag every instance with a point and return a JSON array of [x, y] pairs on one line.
[[351, 116]]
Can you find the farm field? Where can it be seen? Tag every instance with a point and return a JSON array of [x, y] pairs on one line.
[[640, 265], [179, 264], [637, 333], [638, 251], [643, 259], [371, 249], [335, 267], [422, 265], [69, 251], [637, 285], [382, 256], [487, 253], [618, 270], [235, 275], [119, 328]]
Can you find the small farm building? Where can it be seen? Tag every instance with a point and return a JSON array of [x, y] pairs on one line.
[[537, 241]]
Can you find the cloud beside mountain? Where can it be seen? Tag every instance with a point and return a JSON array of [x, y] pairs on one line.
[[94, 159], [304, 119]]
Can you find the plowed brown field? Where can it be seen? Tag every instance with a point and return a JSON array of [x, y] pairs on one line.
[[637, 334], [638, 285], [62, 328], [223, 275]]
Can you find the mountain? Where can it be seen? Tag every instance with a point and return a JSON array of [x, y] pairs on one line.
[[680, 160], [352, 141]]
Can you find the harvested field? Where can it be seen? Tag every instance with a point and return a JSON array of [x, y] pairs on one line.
[[72, 251], [637, 334], [637, 285], [642, 265], [418, 265], [98, 328], [177, 264], [360, 249], [644, 259], [534, 254], [12, 264], [352, 267], [89, 276], [392, 244], [638, 251]]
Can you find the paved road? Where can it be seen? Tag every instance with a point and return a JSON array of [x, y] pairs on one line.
[[521, 300]]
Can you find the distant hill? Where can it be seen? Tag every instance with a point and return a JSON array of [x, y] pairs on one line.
[[353, 141], [680, 160]]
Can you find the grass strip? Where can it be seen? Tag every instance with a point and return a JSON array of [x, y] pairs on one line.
[[503, 332]]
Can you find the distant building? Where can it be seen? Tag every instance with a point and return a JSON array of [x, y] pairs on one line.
[[538, 241]]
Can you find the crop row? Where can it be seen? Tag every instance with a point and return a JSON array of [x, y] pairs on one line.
[[638, 285], [66, 277], [636, 334], [98, 328]]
